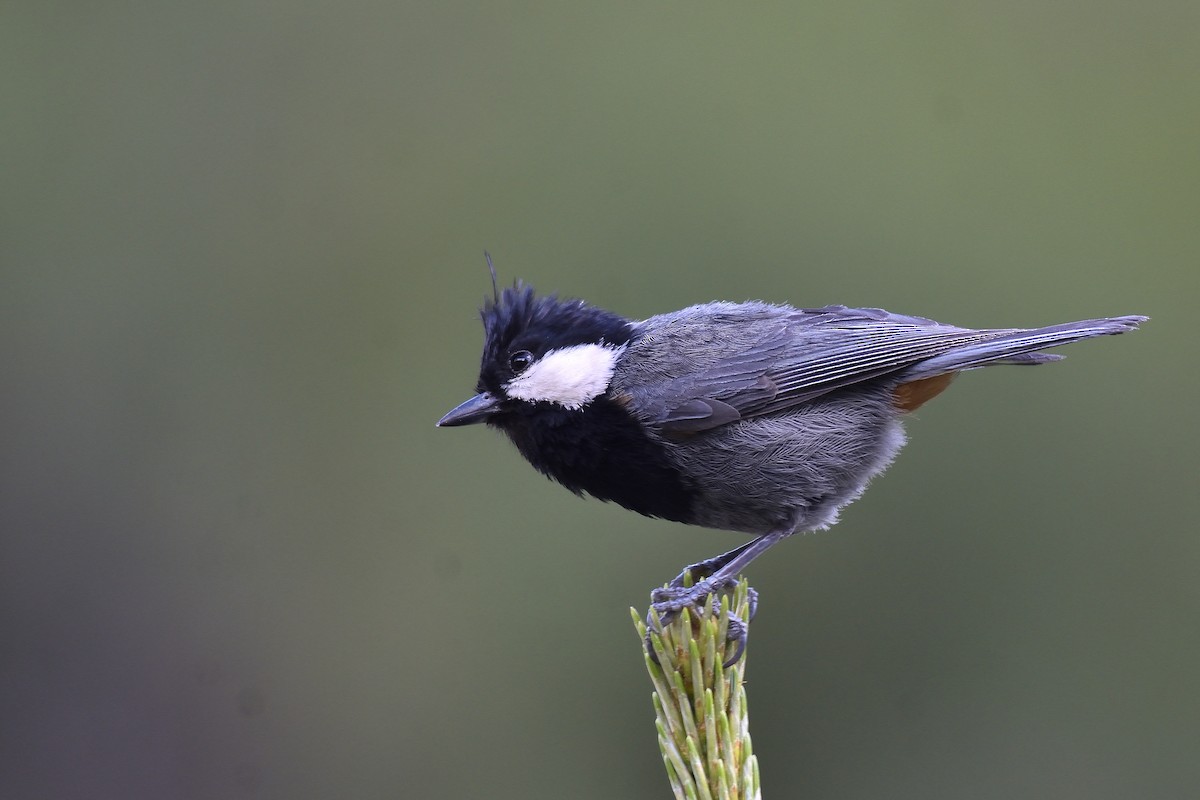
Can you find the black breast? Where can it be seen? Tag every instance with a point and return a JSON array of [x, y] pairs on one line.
[[603, 451]]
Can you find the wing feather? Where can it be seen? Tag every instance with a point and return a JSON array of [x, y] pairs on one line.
[[797, 355]]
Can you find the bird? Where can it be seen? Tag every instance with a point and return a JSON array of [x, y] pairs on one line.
[[759, 418]]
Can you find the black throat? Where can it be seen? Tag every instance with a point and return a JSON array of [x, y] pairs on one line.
[[603, 451]]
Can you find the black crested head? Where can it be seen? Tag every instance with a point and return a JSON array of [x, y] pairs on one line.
[[544, 381], [587, 442], [517, 319]]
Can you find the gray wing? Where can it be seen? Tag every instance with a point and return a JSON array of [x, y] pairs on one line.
[[710, 365]]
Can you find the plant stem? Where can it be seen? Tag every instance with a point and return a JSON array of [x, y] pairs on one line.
[[702, 722]]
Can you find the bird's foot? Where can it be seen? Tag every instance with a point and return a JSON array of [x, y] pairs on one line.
[[669, 601]]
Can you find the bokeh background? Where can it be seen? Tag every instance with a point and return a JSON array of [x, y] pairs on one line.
[[241, 250]]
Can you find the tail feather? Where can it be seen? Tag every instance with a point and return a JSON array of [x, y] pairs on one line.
[[1019, 346]]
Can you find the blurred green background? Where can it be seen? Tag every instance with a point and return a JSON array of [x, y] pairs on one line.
[[241, 250]]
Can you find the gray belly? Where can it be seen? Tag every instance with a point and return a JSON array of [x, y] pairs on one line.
[[793, 470]]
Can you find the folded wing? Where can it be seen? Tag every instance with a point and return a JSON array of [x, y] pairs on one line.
[[774, 358]]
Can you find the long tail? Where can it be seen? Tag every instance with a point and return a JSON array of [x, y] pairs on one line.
[[1019, 346]]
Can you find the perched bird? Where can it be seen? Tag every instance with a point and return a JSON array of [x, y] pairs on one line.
[[750, 417]]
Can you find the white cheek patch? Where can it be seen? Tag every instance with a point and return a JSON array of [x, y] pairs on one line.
[[571, 377]]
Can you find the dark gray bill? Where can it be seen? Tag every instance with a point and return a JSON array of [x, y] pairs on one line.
[[477, 409]]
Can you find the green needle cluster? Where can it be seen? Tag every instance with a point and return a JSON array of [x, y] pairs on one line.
[[703, 728]]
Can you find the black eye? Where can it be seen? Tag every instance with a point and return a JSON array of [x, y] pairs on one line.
[[519, 361]]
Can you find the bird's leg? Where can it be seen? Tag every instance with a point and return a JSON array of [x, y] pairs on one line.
[[717, 573], [703, 569]]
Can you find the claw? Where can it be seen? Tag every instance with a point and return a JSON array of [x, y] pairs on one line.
[[739, 632], [649, 644]]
